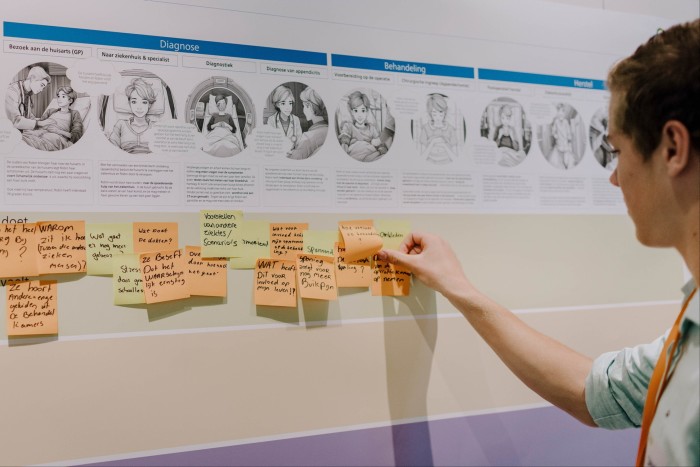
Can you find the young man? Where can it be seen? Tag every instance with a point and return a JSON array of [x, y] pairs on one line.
[[655, 129]]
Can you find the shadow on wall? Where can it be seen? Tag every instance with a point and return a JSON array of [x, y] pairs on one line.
[[409, 358]]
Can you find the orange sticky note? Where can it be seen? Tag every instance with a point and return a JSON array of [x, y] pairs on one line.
[[155, 236], [360, 239], [61, 247], [32, 308], [164, 275], [207, 276], [390, 280], [316, 277], [275, 282], [286, 240], [357, 274], [18, 254]]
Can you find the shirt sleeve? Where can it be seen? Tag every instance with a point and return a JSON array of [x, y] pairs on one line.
[[616, 387]]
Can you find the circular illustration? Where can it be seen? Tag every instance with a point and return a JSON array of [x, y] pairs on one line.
[[43, 106], [364, 125], [224, 113], [139, 101], [598, 138], [504, 122], [562, 141], [300, 115], [440, 131]]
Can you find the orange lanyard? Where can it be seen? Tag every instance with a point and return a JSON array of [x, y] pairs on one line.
[[658, 381]]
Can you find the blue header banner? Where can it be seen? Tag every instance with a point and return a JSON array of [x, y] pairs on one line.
[[164, 44], [547, 80], [414, 68]]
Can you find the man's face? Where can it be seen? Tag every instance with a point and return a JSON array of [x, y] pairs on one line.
[[38, 86], [641, 182]]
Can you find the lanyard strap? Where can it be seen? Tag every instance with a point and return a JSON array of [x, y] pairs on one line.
[[658, 380]]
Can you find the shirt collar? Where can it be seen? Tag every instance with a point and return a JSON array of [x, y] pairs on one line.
[[692, 313]]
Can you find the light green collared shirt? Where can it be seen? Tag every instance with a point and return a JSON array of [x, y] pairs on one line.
[[616, 389]]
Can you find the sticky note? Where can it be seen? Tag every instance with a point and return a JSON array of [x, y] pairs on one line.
[[61, 247], [275, 283], [18, 250], [320, 242], [286, 240], [207, 276], [126, 280], [253, 243], [155, 236], [217, 232], [32, 308], [357, 274], [103, 241], [390, 280], [360, 239], [316, 277], [164, 275], [392, 232]]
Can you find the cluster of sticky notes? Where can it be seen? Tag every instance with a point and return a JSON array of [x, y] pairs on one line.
[[148, 266], [314, 264]]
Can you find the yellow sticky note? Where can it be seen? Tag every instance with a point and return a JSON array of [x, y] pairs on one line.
[[360, 239], [61, 247], [164, 275], [275, 283], [392, 232], [18, 250], [126, 280], [155, 236], [103, 241], [390, 280], [253, 238], [32, 308], [286, 240], [320, 242], [316, 277], [357, 274], [207, 276], [217, 232]]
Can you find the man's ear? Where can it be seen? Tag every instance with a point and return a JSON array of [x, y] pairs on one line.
[[675, 145]]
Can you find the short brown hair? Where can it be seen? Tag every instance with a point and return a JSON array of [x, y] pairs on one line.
[[658, 83]]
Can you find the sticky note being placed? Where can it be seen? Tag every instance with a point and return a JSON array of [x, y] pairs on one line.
[[61, 247], [217, 232], [360, 239], [316, 277], [392, 232], [275, 283], [18, 252], [286, 240], [320, 242], [126, 280], [357, 274], [207, 276], [104, 241], [164, 275], [253, 243], [390, 280], [32, 308], [155, 236]]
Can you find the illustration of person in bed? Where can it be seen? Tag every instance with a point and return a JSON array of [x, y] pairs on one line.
[[134, 134], [360, 138], [283, 118], [222, 138], [59, 127]]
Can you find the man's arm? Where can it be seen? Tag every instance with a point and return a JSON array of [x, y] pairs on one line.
[[552, 370]]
